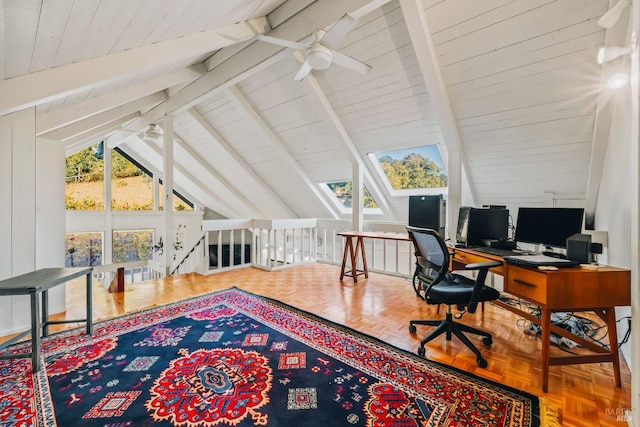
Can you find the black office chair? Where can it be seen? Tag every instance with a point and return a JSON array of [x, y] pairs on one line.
[[438, 286]]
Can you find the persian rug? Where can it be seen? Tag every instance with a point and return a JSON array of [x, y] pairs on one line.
[[234, 358]]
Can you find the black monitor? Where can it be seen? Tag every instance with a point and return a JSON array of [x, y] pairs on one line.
[[428, 211], [476, 226], [548, 226]]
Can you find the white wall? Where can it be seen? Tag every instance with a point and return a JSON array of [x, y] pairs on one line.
[[187, 225], [32, 218], [614, 207]]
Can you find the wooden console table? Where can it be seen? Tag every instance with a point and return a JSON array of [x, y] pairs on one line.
[[352, 252], [36, 284], [565, 289]]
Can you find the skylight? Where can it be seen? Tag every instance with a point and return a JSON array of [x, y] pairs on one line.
[[418, 170], [340, 192]]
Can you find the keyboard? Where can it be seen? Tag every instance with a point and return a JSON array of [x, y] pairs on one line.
[[539, 260], [499, 252]]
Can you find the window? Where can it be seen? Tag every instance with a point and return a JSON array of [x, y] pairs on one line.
[[180, 203], [84, 180], [132, 245], [83, 249], [341, 194], [131, 186], [417, 170]]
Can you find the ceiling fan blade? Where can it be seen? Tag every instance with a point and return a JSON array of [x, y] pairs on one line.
[[350, 63], [339, 30], [303, 71], [612, 16], [283, 42]]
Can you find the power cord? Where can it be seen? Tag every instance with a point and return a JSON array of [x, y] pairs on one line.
[[627, 334]]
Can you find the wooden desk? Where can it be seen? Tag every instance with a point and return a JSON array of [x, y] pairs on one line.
[[565, 289], [36, 284], [352, 252]]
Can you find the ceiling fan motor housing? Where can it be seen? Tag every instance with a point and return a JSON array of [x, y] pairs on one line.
[[319, 57]]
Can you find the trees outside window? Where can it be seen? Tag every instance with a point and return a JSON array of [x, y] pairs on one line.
[[412, 169]]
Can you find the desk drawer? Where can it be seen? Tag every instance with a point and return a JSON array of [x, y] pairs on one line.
[[528, 284], [460, 259]]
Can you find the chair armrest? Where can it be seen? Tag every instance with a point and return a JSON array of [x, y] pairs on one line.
[[483, 265]]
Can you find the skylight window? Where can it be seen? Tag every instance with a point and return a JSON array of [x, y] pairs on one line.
[[341, 194], [409, 171]]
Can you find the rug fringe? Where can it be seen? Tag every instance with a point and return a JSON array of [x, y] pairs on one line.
[[550, 415]]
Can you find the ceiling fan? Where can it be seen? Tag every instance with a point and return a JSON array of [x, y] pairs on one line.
[[319, 54]]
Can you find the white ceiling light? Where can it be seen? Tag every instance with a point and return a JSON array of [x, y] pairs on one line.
[[612, 16], [154, 130], [606, 54], [618, 80]]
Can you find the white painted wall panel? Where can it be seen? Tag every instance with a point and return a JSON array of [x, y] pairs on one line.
[[50, 213]]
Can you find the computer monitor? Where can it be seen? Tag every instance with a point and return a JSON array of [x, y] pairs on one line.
[[428, 211], [476, 226], [548, 226]]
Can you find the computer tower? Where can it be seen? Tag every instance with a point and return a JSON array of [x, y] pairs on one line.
[[429, 211], [579, 248]]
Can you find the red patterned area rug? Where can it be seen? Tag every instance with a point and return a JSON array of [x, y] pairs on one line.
[[234, 358]]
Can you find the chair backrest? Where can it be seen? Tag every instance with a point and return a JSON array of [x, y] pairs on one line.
[[432, 254]]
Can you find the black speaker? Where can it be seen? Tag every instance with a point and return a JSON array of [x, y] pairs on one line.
[[579, 248], [428, 212]]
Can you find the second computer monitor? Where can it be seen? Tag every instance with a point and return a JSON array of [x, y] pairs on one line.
[[548, 226], [477, 226]]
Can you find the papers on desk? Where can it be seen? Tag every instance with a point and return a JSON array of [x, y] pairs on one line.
[[539, 260]]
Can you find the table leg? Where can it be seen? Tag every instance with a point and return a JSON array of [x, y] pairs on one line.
[[45, 313], [610, 316], [364, 257], [354, 259], [545, 317], [35, 332], [89, 306], [347, 249]]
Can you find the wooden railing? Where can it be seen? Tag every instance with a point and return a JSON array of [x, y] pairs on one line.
[[192, 260], [134, 271], [275, 244]]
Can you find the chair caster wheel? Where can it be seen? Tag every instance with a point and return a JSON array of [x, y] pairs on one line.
[[421, 351], [487, 341], [481, 362], [412, 329]]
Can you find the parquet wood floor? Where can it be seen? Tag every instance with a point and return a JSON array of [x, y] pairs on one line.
[[382, 306]]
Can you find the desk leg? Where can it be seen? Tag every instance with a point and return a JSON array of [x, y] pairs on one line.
[[610, 317], [364, 256], [354, 259], [89, 306], [348, 248], [35, 332], [546, 345]]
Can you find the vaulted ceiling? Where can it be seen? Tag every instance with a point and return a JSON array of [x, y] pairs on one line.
[[512, 87]]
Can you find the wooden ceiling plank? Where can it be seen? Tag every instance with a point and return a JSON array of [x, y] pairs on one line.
[[320, 98], [87, 138], [243, 164], [243, 105], [79, 127], [47, 85], [315, 16], [428, 60], [224, 181], [48, 122], [223, 208]]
